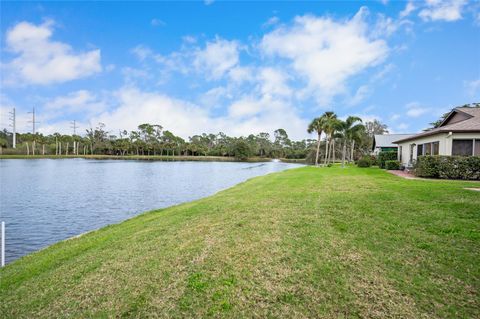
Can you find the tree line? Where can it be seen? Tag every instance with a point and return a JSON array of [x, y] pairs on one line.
[[336, 140]]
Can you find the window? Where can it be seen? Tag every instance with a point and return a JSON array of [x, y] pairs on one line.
[[462, 147], [435, 148], [477, 148], [400, 153], [428, 148], [419, 149]]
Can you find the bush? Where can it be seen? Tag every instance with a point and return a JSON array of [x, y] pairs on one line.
[[365, 161], [241, 150], [386, 156], [450, 167], [392, 165]]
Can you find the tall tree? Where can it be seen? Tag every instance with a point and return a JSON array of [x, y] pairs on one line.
[[330, 124], [97, 137], [317, 126], [375, 127], [350, 130], [281, 141]]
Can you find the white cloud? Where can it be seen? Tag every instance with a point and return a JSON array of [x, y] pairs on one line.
[[326, 52], [23, 116], [386, 26], [40, 60], [6, 106], [81, 101], [273, 82], [157, 22], [189, 39], [380, 75], [142, 52], [74, 99], [361, 94], [63, 127], [213, 98], [131, 75], [271, 21], [217, 58], [252, 115], [414, 109], [442, 10], [409, 8], [247, 106], [248, 115], [240, 74]]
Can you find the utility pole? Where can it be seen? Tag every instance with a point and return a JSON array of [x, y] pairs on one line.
[[33, 129], [14, 143], [33, 120], [74, 126]]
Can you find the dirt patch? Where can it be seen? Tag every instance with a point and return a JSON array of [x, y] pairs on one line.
[[477, 189], [403, 174]]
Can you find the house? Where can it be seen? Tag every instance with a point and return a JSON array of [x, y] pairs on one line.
[[458, 134], [384, 142]]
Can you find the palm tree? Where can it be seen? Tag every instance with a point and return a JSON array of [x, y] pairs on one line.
[[337, 134], [317, 126], [330, 124], [350, 130]]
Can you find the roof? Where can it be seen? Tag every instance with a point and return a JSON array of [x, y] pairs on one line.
[[386, 140], [468, 125]]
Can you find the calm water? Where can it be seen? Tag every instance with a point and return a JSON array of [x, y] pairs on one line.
[[45, 201]]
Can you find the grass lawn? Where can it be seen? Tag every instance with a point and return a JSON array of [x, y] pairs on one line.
[[309, 242]]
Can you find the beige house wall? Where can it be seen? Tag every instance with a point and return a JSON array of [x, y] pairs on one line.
[[445, 144]]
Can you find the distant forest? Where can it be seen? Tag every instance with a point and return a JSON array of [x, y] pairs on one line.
[[153, 139]]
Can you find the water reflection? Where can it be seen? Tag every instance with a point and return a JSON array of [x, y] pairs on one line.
[[44, 201]]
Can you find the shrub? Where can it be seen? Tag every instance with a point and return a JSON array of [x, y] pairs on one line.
[[426, 166], [241, 150], [392, 165], [365, 161], [386, 156], [450, 167]]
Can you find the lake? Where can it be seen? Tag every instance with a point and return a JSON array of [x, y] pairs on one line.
[[44, 201]]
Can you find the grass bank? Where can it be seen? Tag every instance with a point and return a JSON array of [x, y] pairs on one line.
[[141, 158], [309, 242]]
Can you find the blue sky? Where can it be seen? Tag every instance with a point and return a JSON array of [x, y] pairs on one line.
[[236, 67]]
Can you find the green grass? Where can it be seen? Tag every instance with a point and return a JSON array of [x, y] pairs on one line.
[[309, 242]]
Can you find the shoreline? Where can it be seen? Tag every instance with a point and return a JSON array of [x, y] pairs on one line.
[[153, 210], [156, 158]]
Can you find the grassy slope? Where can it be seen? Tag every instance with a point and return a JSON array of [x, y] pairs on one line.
[[309, 242]]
